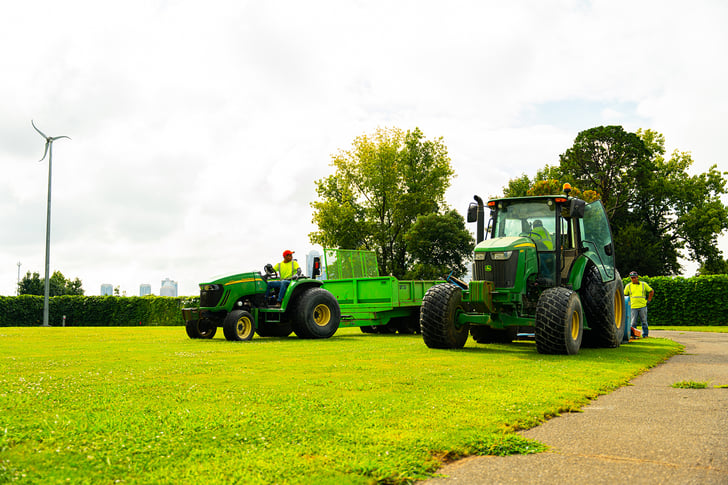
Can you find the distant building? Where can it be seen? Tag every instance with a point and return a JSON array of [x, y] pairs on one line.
[[169, 288], [107, 290], [145, 289]]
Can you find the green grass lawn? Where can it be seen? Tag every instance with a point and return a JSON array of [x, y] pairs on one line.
[[149, 405], [702, 328]]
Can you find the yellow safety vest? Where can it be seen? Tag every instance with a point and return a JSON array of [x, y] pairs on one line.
[[286, 270], [544, 236], [637, 294]]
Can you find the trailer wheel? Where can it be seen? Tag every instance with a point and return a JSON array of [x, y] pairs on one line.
[[438, 318], [317, 314], [559, 322], [238, 326], [200, 328], [603, 308]]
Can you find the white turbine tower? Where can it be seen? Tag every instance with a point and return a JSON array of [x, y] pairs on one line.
[[48, 151]]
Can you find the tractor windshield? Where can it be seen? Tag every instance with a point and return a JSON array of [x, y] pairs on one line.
[[536, 220]]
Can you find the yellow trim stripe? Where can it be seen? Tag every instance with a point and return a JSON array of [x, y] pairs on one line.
[[248, 280], [526, 245]]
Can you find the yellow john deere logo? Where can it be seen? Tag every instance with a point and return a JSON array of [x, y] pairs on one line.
[[488, 267]]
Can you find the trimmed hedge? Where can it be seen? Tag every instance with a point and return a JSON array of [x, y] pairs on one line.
[[700, 300], [92, 311]]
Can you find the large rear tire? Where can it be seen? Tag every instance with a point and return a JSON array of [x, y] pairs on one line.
[[200, 328], [238, 326], [317, 314], [603, 308], [438, 318], [559, 322]]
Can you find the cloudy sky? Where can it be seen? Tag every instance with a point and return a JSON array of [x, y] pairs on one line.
[[199, 128]]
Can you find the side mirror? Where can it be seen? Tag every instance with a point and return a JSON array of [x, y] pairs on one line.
[[473, 212], [576, 208], [316, 270]]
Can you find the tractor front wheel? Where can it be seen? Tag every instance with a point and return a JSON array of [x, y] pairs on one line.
[[200, 328], [438, 318], [238, 326], [559, 322]]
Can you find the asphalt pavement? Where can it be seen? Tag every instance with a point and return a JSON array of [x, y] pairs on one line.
[[644, 433]]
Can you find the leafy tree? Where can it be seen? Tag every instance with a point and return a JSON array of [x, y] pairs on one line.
[[610, 161], [438, 244], [58, 285], [656, 209], [380, 187], [31, 285], [713, 267]]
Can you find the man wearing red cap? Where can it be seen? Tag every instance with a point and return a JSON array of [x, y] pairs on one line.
[[286, 269]]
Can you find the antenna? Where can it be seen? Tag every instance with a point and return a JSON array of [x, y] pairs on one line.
[[48, 151]]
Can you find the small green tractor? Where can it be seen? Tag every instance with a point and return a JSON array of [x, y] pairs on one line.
[[546, 272], [239, 305]]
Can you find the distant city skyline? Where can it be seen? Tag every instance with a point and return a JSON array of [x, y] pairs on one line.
[[168, 288]]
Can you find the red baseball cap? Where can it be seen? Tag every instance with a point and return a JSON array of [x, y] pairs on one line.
[[287, 252]]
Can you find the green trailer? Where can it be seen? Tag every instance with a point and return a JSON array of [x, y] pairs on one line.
[[377, 304], [346, 291]]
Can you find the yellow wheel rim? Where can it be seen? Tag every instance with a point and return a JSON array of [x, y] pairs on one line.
[[244, 327], [322, 315], [618, 309], [574, 325]]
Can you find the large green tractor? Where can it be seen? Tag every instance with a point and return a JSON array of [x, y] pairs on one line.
[[546, 271], [239, 305]]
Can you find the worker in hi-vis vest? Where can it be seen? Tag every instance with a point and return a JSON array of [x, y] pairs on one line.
[[640, 294], [542, 235], [286, 270]]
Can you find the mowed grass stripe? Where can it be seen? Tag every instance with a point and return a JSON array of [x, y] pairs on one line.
[[149, 405]]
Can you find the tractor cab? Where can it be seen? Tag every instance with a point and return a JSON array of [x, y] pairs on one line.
[[552, 231]]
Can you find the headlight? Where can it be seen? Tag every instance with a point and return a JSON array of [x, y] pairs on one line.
[[479, 256], [210, 287], [501, 255]]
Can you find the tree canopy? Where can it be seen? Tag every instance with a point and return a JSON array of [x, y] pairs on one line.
[[58, 285], [438, 244], [381, 185], [658, 211]]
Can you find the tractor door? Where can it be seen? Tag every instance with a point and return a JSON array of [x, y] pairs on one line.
[[596, 238]]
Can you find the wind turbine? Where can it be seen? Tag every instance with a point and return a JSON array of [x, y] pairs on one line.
[[48, 151]]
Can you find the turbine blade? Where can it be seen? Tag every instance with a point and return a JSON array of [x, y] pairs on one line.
[[36, 129], [46, 151]]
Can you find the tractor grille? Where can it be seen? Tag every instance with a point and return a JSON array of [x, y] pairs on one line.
[[210, 298], [501, 273]]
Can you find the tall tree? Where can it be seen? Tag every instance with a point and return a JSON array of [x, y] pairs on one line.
[[437, 245], [59, 285], [379, 188], [610, 161], [658, 211]]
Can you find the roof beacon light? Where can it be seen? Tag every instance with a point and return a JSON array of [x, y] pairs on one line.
[[567, 188]]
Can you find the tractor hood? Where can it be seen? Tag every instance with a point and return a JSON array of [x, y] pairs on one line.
[[232, 279], [504, 244]]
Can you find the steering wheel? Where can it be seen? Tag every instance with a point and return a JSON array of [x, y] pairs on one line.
[[269, 271]]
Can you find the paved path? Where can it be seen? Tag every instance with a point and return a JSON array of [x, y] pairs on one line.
[[681, 436]]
